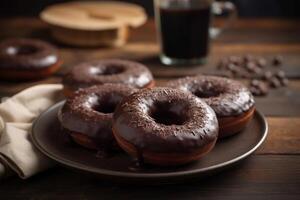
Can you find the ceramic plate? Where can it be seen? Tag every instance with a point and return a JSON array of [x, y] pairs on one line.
[[49, 138]]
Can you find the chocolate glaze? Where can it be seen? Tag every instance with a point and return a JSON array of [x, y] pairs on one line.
[[226, 97], [89, 112], [108, 71], [134, 121], [27, 54]]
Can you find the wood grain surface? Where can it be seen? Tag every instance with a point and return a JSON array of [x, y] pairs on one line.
[[273, 172], [260, 177], [238, 40]]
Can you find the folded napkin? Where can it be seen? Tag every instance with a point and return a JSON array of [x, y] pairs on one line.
[[16, 116]]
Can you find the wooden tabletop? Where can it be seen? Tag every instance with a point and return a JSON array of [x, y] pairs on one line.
[[273, 172]]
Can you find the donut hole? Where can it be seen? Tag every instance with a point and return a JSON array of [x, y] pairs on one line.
[[169, 113], [105, 104], [206, 93], [108, 70], [21, 50], [106, 107]]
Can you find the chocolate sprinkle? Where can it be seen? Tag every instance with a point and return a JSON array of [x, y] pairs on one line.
[[226, 97], [108, 71], [194, 123], [89, 111]]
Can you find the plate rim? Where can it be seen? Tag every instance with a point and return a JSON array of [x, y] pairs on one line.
[[105, 172]]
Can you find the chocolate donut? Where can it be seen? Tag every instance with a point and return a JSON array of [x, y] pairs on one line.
[[26, 59], [232, 102], [87, 115], [165, 126], [107, 71]]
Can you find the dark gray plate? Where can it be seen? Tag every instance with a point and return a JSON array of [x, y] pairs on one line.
[[49, 139]]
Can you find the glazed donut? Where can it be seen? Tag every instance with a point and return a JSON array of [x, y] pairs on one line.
[[164, 126], [232, 102], [27, 59], [107, 71], [87, 115]]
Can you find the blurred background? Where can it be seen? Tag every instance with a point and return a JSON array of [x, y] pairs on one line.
[[246, 8]]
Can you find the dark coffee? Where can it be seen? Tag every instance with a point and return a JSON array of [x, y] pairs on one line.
[[185, 32]]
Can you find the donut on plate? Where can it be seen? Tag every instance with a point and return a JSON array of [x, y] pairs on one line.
[[107, 71], [164, 126], [87, 115], [27, 59], [232, 102]]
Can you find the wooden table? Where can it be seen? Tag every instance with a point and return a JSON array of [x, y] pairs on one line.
[[273, 172]]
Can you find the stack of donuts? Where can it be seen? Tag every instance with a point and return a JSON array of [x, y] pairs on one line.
[[113, 105]]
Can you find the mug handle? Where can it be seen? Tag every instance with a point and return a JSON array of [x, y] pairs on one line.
[[219, 8]]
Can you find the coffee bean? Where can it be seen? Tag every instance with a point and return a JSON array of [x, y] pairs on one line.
[[264, 89], [274, 82], [277, 60], [255, 83], [280, 74], [255, 91], [261, 62], [284, 82], [250, 66], [231, 66], [258, 88], [267, 75], [257, 71]]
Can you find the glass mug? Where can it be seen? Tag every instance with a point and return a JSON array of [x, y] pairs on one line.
[[184, 30]]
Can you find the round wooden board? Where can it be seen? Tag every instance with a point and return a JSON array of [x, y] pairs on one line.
[[93, 23], [48, 137], [94, 15]]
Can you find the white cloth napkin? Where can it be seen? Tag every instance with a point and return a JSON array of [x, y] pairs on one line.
[[16, 116]]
